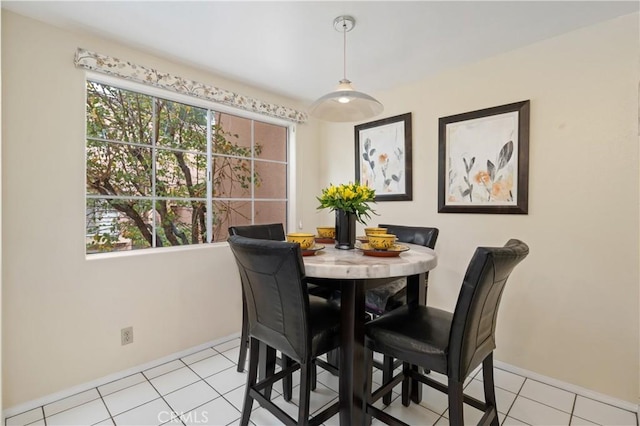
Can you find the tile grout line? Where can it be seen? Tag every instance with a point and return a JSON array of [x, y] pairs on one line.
[[110, 393], [571, 415], [132, 408], [204, 403], [506, 414], [575, 395], [234, 362], [105, 405], [607, 404], [573, 408], [202, 359], [514, 399], [203, 379], [44, 416], [240, 411], [165, 401], [211, 375], [220, 395], [129, 409], [562, 411], [575, 400], [399, 396], [177, 389]]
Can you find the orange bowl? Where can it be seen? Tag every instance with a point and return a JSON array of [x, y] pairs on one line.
[[369, 231], [306, 241], [326, 232], [382, 241]]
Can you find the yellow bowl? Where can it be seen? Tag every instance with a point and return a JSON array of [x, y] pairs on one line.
[[326, 232], [306, 241], [382, 241], [369, 231]]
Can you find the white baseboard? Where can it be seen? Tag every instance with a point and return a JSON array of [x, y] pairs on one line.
[[110, 378], [587, 393]]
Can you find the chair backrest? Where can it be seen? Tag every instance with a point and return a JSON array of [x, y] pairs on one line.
[[414, 234], [472, 335], [274, 284], [271, 231]]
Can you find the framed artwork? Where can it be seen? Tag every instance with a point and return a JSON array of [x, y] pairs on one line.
[[383, 157], [483, 161]]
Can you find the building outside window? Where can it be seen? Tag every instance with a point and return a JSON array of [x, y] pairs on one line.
[[162, 173]]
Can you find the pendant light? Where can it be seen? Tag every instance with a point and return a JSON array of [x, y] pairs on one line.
[[345, 103]]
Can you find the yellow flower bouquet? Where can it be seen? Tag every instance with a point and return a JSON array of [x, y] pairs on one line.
[[351, 197]]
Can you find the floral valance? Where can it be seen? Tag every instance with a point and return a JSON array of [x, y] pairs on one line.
[[127, 70]]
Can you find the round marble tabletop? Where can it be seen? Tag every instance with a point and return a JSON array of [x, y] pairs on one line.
[[353, 264]]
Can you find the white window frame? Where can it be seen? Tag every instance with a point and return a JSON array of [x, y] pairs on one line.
[[209, 105]]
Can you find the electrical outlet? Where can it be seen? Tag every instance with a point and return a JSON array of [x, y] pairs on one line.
[[126, 335]]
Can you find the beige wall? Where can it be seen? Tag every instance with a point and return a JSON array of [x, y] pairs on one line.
[[571, 309], [62, 314]]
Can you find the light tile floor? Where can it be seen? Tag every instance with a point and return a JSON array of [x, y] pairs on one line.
[[205, 389]]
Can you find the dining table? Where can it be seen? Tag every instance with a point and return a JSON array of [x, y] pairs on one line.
[[353, 272]]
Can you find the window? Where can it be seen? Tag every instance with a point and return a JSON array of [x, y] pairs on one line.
[[163, 173]]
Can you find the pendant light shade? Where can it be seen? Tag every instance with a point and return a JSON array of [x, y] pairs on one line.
[[345, 103]]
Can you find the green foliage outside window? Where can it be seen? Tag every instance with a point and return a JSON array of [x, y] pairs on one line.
[[146, 169]]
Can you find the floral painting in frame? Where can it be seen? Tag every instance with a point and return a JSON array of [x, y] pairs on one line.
[[383, 157], [483, 164]]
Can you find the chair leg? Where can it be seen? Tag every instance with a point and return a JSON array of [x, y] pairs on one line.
[[407, 383], [244, 337], [387, 374], [251, 381], [305, 392], [416, 386], [333, 358], [456, 415], [368, 383], [267, 365], [314, 376], [286, 380], [489, 386]]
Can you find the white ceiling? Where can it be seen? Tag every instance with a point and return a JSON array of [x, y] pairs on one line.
[[291, 48]]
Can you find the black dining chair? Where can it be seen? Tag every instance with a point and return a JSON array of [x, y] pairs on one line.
[[453, 344], [393, 295], [270, 231], [283, 316]]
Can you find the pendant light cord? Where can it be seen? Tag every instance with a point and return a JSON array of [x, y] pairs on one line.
[[344, 59]]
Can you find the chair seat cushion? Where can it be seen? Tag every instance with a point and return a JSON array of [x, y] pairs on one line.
[[397, 300], [418, 335], [320, 291], [376, 299], [324, 319]]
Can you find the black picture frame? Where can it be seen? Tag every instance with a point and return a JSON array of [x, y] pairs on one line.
[[383, 157], [469, 184]]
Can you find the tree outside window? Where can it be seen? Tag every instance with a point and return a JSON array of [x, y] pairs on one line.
[[150, 182]]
